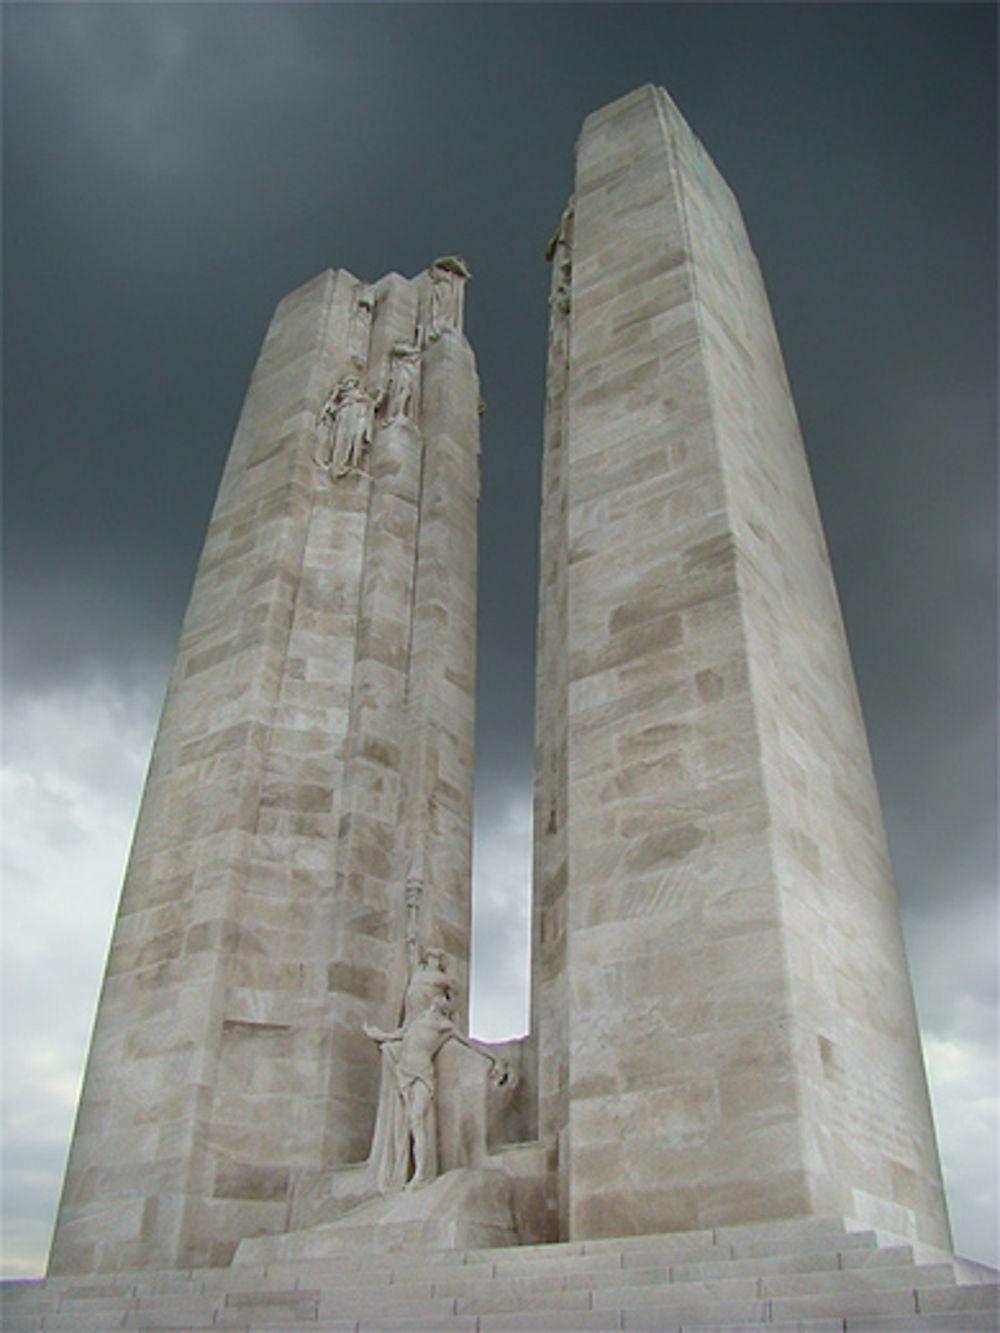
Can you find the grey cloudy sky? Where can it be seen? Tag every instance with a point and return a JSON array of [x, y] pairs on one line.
[[170, 171]]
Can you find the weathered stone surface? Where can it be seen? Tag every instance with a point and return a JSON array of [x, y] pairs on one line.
[[316, 737], [723, 1013]]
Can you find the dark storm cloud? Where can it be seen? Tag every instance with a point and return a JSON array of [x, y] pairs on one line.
[[171, 171]]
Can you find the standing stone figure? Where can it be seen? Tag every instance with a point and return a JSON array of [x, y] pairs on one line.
[[404, 381], [559, 254], [448, 278], [361, 326], [406, 1125], [349, 410]]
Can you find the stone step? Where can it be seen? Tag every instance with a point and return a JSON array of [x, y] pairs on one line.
[[982, 1296], [970, 1322], [73, 1317], [811, 1261], [159, 1322], [900, 1303], [556, 1321], [577, 1289], [800, 1326], [602, 1268], [414, 1324], [858, 1250], [864, 1324]]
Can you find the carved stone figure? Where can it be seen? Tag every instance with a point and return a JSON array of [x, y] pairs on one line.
[[349, 411], [404, 380], [405, 1136], [449, 275], [407, 1117], [559, 253], [361, 325]]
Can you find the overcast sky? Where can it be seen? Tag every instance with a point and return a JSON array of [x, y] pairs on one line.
[[171, 171]]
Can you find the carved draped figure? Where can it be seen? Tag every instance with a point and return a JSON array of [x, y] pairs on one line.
[[408, 1054]]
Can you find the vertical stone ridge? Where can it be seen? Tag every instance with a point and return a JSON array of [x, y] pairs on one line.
[[438, 811], [549, 925], [674, 127], [368, 870]]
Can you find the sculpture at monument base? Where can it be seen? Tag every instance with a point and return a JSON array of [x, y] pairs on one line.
[[430, 1139], [405, 1137], [404, 1143], [431, 1133]]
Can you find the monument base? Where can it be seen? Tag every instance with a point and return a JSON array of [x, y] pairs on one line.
[[466, 1209], [815, 1274]]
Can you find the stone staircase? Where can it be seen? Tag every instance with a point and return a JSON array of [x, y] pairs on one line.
[[815, 1276]]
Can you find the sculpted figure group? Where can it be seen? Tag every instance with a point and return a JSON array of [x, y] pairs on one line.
[[349, 411], [347, 417]]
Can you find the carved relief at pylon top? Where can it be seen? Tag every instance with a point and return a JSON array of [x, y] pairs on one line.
[[402, 392], [448, 275], [359, 335]]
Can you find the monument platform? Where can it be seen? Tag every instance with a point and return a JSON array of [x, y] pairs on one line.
[[824, 1275], [461, 1210]]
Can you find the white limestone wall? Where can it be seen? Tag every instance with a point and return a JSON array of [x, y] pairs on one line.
[[698, 972], [870, 1146], [262, 916], [201, 925]]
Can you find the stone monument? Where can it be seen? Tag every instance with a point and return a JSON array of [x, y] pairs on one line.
[[314, 754], [722, 1002], [722, 1032]]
